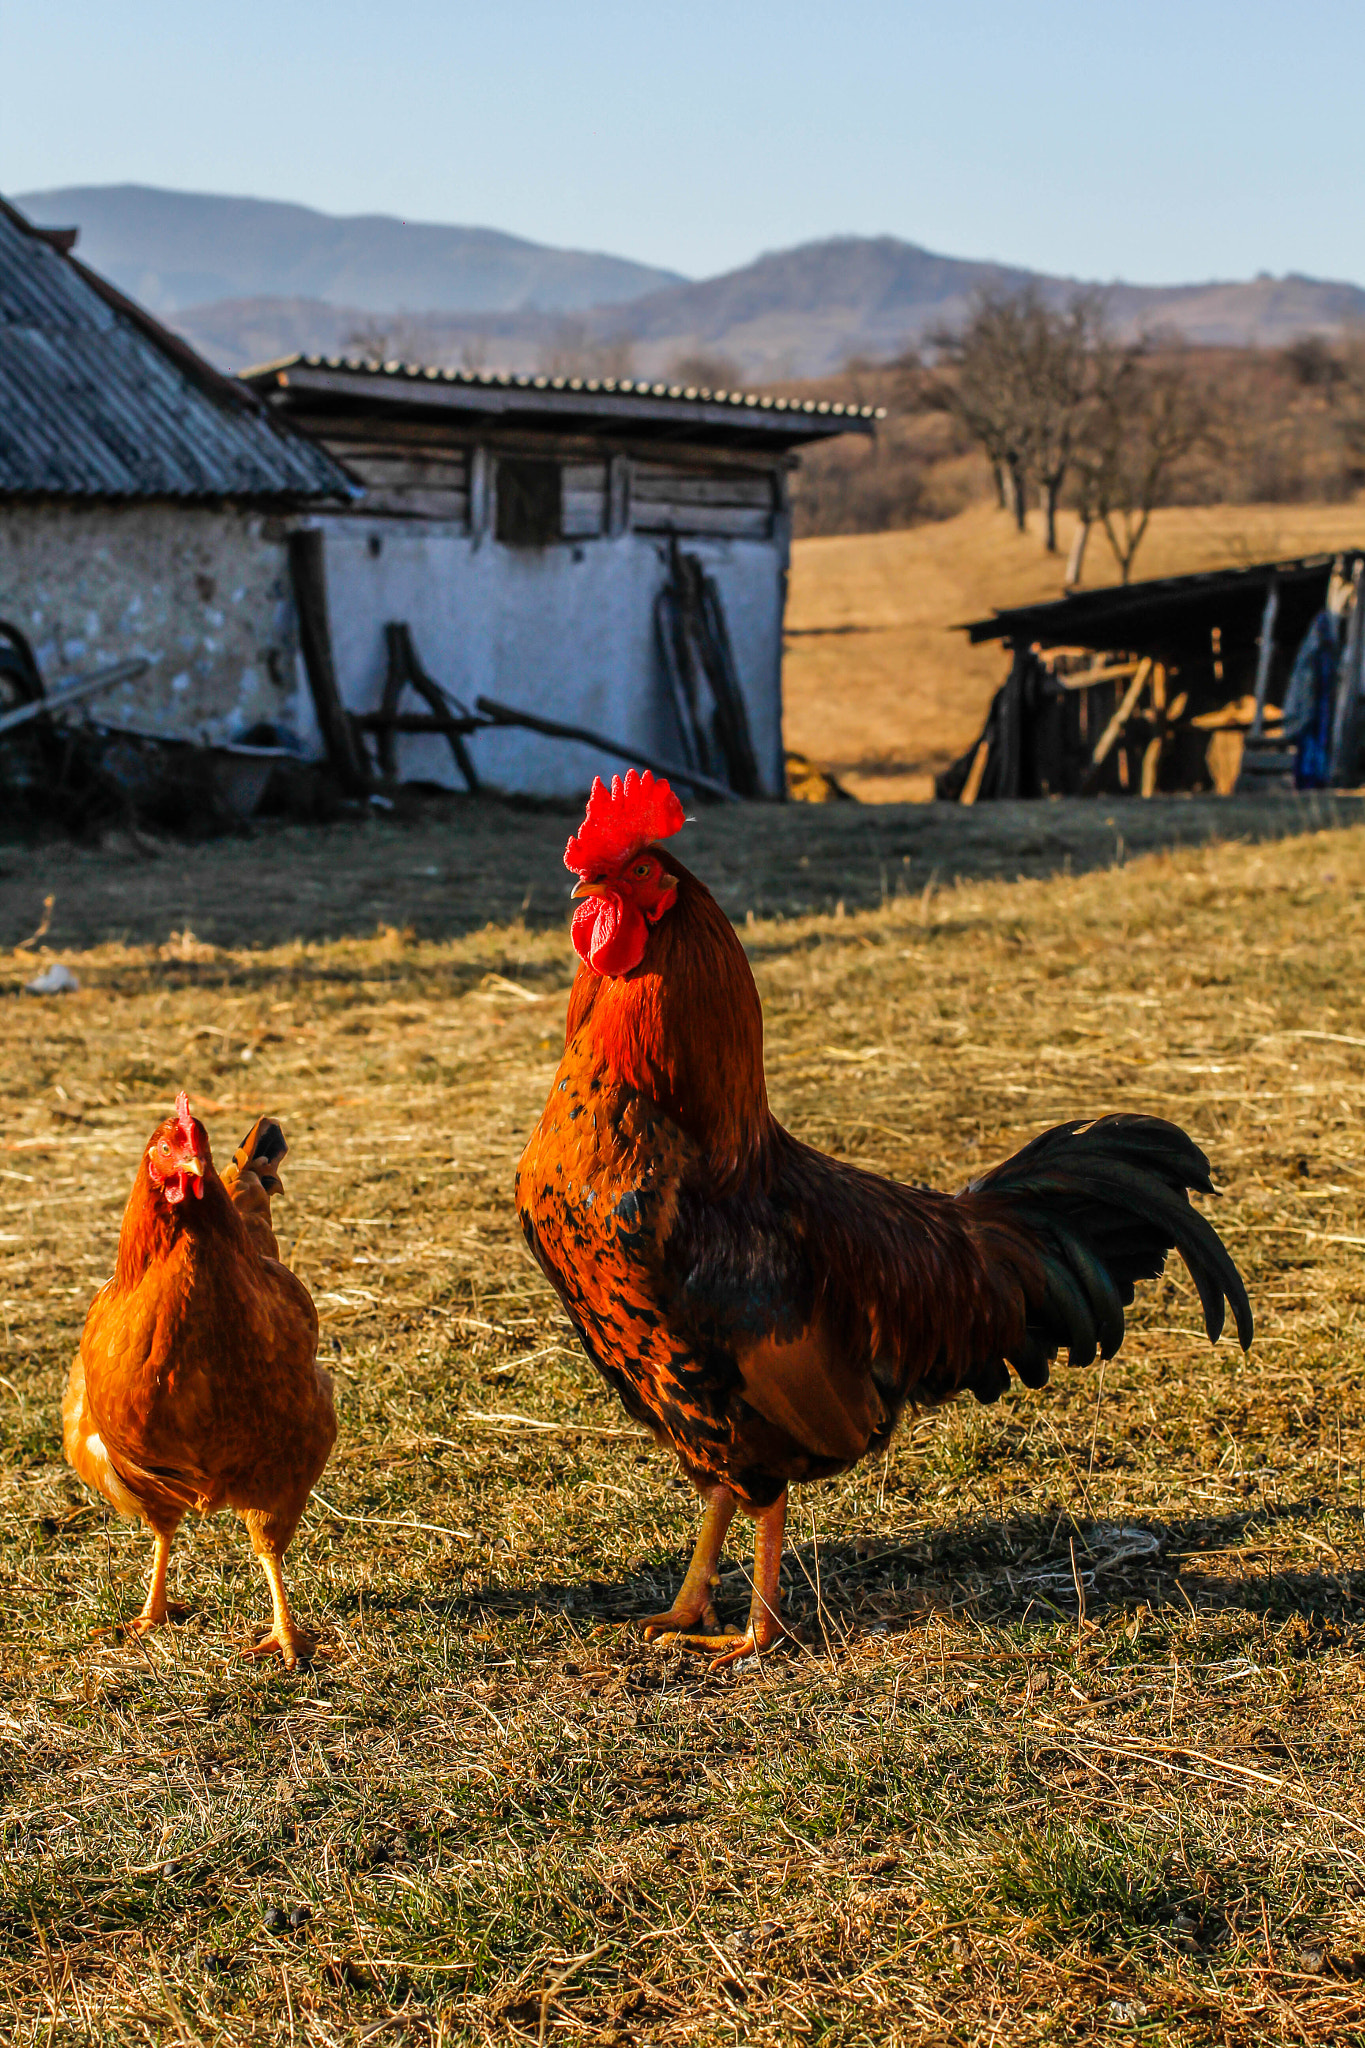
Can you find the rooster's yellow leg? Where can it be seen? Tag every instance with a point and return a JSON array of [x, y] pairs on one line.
[[154, 1608], [765, 1613], [765, 1609], [693, 1603], [286, 1636]]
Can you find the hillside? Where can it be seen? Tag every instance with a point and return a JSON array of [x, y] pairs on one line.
[[173, 250], [880, 689], [248, 279]]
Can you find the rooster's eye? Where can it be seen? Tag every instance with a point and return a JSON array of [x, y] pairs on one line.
[[641, 870]]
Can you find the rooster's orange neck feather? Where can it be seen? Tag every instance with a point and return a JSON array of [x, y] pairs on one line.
[[686, 1029]]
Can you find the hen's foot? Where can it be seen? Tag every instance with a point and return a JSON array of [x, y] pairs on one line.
[[171, 1610], [295, 1645], [681, 1617]]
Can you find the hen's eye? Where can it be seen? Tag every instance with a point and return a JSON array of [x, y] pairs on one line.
[[164, 1146]]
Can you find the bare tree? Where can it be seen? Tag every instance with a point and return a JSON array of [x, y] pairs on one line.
[[576, 351], [1346, 394], [1020, 389], [1055, 381], [395, 339], [987, 392], [1143, 415], [704, 371]]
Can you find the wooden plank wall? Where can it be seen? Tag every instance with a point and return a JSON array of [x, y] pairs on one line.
[[732, 504], [419, 469], [411, 469]]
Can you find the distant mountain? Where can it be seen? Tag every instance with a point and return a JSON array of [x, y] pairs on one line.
[[172, 250], [248, 279], [804, 311]]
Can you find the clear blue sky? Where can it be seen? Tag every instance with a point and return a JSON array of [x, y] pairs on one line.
[[1154, 141]]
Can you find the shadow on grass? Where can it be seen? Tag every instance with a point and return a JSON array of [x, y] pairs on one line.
[[1012, 1573]]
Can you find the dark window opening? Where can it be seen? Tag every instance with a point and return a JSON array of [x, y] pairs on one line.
[[530, 503]]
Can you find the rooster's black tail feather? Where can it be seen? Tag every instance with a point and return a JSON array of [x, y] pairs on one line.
[[1103, 1203]]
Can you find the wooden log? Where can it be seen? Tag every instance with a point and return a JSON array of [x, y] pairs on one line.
[[308, 574], [381, 722], [505, 714], [1127, 706], [971, 788], [406, 670], [1086, 677], [75, 693]]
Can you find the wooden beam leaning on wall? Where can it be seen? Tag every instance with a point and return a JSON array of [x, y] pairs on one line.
[[1104, 746], [308, 574]]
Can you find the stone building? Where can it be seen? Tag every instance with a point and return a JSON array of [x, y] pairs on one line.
[[144, 503]]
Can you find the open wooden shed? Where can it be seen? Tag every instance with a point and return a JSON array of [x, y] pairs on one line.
[[1174, 684]]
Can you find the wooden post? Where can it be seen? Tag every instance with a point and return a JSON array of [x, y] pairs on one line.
[[478, 494], [618, 495], [1116, 724], [1265, 655], [308, 573], [1342, 773]]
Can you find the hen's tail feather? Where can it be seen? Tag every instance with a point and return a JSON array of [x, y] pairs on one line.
[[1102, 1204], [263, 1151]]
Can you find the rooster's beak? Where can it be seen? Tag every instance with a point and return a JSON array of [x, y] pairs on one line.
[[589, 889]]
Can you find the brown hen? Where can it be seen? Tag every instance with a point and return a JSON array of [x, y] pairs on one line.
[[197, 1383], [765, 1310]]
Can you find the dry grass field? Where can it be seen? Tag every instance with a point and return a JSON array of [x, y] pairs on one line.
[[1070, 1748], [881, 690]]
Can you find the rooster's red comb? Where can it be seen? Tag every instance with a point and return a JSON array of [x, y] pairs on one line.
[[619, 819]]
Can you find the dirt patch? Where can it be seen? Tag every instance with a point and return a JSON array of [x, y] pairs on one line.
[[454, 866]]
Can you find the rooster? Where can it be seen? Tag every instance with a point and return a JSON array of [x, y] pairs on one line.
[[197, 1382], [767, 1311]]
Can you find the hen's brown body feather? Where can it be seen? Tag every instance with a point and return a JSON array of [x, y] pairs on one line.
[[197, 1383], [768, 1311]]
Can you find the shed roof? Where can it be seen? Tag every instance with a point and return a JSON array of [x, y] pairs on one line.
[[1168, 613], [631, 405], [97, 400]]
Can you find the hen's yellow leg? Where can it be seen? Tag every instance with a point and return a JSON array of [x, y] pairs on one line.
[[154, 1608], [286, 1636], [693, 1603]]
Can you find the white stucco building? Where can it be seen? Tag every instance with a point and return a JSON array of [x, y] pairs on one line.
[[597, 552]]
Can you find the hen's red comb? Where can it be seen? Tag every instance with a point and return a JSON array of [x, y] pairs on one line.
[[619, 819], [184, 1116]]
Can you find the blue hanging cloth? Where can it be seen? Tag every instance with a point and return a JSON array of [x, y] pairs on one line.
[[1310, 701]]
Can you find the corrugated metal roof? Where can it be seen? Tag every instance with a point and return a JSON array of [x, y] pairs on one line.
[[97, 400], [621, 400]]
